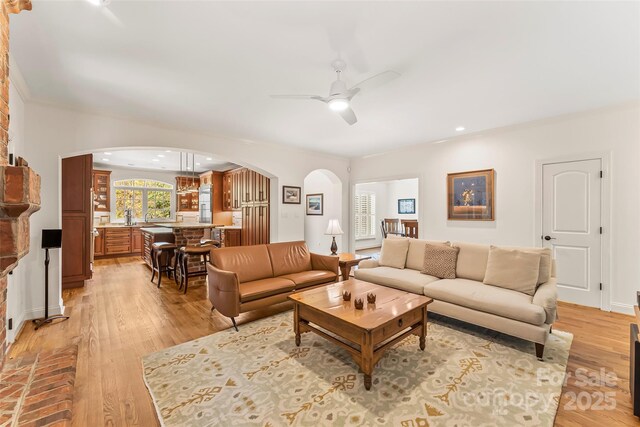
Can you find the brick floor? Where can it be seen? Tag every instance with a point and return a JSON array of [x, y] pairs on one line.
[[37, 390]]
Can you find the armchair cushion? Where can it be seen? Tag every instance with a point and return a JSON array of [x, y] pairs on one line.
[[257, 289], [289, 257], [310, 278]]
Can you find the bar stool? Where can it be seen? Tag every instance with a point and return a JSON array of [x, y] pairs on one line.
[[182, 263], [161, 255]]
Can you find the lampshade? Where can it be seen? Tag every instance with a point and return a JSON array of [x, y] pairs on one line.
[[334, 228]]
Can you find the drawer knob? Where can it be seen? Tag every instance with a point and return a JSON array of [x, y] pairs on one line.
[[400, 322]]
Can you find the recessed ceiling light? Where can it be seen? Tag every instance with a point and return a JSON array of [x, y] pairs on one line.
[[160, 155], [188, 168], [167, 151], [459, 128], [197, 164], [209, 158], [106, 153], [105, 160], [155, 160]]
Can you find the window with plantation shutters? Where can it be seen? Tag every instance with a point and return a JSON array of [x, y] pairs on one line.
[[365, 221]]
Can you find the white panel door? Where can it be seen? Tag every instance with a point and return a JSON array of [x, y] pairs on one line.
[[571, 227]]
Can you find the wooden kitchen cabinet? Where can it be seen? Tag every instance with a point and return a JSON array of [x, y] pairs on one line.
[[117, 241], [77, 221], [101, 183], [98, 243], [232, 237], [136, 241], [187, 202], [112, 241], [232, 190]]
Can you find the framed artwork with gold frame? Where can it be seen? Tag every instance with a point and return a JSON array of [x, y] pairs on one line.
[[471, 195]]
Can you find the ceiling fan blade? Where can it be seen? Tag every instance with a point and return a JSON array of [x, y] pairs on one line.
[[377, 80], [316, 97], [348, 115]]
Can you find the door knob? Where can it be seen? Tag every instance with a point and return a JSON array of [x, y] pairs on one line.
[[549, 238]]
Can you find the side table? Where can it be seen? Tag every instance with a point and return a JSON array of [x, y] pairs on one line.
[[347, 261]]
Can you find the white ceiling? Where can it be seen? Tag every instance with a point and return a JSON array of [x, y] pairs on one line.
[[210, 66], [165, 160]]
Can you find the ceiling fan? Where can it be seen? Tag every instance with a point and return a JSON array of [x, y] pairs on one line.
[[339, 98]]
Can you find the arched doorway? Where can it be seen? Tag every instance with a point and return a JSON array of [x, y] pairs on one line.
[[326, 183]]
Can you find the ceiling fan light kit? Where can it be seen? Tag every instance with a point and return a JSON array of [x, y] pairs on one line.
[[340, 96], [338, 104]]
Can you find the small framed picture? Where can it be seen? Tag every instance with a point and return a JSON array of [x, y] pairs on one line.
[[291, 195], [406, 206], [315, 204]]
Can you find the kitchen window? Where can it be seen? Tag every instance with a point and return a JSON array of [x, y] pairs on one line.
[[148, 198]]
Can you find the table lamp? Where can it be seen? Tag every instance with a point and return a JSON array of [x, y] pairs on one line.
[[334, 230]]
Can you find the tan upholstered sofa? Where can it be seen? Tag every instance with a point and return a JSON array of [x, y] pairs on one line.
[[245, 278], [467, 298]]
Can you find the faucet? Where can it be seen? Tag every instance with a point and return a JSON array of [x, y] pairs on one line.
[[146, 219]]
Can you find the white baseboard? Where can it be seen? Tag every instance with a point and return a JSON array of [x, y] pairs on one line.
[[622, 308]]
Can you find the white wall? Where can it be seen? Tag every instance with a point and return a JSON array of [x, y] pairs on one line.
[[402, 189], [52, 133], [513, 153], [315, 226], [18, 294], [387, 195]]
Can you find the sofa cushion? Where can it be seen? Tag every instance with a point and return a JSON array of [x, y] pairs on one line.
[[513, 269], [394, 252], [472, 260], [258, 289], [489, 299], [415, 254], [289, 257], [440, 261], [310, 278], [405, 279], [248, 262], [545, 262]]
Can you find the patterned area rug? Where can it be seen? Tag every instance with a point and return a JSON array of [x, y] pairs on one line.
[[467, 376]]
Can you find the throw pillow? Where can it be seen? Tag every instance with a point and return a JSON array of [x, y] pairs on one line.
[[513, 269], [440, 260], [545, 262], [394, 252]]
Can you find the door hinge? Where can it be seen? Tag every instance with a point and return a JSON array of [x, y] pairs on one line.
[[600, 230], [600, 286], [601, 174], [10, 323]]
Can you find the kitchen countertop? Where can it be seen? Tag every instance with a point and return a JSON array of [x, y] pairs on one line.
[[230, 227], [186, 226], [155, 230]]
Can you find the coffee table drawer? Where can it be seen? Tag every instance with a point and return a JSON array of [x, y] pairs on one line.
[[333, 325], [399, 324]]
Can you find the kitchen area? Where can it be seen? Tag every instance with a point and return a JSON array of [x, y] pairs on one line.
[[140, 198]]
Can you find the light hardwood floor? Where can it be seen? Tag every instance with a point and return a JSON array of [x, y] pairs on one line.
[[119, 316]]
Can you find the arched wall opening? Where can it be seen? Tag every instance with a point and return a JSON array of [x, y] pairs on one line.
[[329, 185], [52, 133]]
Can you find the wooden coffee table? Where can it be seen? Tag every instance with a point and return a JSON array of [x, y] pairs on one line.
[[367, 333]]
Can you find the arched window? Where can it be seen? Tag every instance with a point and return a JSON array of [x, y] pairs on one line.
[[147, 198]]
